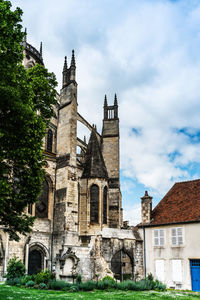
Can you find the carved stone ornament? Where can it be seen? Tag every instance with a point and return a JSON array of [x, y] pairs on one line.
[[66, 258]]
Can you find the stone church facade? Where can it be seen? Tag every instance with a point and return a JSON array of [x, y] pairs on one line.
[[79, 227]]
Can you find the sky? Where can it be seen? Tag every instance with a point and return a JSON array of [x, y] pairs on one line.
[[146, 51]]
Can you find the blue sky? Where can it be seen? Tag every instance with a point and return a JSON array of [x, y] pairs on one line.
[[148, 52]]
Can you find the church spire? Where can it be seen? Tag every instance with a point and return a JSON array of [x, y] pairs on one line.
[[115, 107], [115, 100], [25, 38], [41, 49], [73, 64], [65, 65], [105, 101], [65, 71], [73, 68]]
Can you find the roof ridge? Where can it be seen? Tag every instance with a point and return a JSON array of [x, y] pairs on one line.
[[185, 181]]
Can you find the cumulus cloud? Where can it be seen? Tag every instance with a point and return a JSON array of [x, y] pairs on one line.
[[147, 52], [133, 214]]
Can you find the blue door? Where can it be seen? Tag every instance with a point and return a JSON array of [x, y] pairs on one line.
[[195, 274]]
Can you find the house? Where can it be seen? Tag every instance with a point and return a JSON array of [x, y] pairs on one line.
[[171, 236]]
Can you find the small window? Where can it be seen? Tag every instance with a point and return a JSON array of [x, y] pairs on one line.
[[159, 237], [49, 140], [177, 236]]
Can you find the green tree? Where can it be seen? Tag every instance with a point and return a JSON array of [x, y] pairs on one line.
[[22, 94]]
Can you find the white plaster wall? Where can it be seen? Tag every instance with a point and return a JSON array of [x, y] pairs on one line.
[[189, 250]]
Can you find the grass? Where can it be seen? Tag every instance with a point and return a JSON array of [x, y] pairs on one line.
[[15, 293]]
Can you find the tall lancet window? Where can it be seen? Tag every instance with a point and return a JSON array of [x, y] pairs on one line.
[[105, 205], [41, 208], [49, 140], [94, 204]]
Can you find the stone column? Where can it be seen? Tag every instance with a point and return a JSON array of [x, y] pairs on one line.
[[26, 258]]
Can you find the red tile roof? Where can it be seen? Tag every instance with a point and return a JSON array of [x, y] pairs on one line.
[[180, 204]]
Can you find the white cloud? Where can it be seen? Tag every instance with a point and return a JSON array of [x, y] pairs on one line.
[[133, 214], [147, 52]]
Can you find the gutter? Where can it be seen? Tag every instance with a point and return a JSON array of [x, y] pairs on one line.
[[144, 248]]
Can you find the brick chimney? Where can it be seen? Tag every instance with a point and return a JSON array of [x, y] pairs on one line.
[[146, 208]]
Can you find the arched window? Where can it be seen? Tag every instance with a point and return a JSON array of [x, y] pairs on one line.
[[105, 205], [49, 140], [94, 204], [41, 209]]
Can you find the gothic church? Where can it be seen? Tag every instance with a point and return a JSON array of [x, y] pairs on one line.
[[79, 227]]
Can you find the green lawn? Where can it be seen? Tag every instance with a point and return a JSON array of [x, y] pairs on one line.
[[15, 293]]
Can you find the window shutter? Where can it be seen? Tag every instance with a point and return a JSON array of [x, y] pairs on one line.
[[156, 242], [162, 241], [179, 230], [180, 240], [161, 233], [159, 237], [156, 233], [177, 236], [173, 231], [173, 240]]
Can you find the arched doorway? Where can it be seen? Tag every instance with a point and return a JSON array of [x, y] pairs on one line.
[[122, 266], [36, 259], [34, 262]]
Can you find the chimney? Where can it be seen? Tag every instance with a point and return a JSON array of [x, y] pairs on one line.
[[146, 208]]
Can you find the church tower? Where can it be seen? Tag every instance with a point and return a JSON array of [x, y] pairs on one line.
[[66, 197], [110, 150]]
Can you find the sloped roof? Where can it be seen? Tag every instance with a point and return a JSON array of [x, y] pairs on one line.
[[180, 204], [94, 166]]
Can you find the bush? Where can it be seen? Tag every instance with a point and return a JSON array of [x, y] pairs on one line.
[[43, 277], [145, 284], [88, 285], [27, 278], [159, 286], [74, 288], [127, 285], [78, 279], [30, 283], [141, 285], [108, 278], [107, 284], [150, 277], [42, 286], [14, 281], [15, 269], [59, 285]]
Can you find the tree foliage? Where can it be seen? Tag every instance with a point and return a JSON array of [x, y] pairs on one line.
[[15, 269], [23, 93]]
